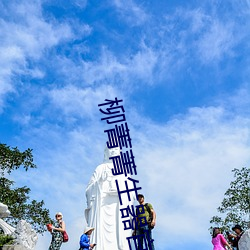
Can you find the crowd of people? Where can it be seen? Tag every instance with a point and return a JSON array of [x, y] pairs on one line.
[[145, 222], [219, 241]]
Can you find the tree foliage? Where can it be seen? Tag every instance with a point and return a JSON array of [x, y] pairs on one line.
[[13, 158], [6, 240], [17, 199], [235, 207]]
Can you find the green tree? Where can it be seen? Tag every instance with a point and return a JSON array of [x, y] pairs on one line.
[[235, 207], [17, 199]]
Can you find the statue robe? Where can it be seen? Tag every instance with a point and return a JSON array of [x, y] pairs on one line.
[[103, 209]]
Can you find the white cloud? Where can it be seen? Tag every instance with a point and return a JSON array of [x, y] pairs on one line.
[[198, 33], [217, 42], [240, 101], [142, 64], [25, 35], [198, 19], [121, 71], [131, 12], [82, 102], [80, 3], [31, 33], [10, 58], [105, 69], [185, 167]]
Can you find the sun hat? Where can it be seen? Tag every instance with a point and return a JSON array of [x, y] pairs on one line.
[[59, 213], [87, 229]]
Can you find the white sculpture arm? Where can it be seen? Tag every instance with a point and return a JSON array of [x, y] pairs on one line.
[[4, 212], [7, 229]]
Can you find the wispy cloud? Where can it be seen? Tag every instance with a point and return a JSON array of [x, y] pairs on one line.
[[60, 69], [80, 3], [80, 102], [185, 166], [217, 42], [106, 68], [131, 12], [204, 34], [26, 37], [121, 70]]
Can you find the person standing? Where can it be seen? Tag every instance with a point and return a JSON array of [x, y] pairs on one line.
[[85, 238], [218, 240], [145, 227], [56, 231], [239, 231]]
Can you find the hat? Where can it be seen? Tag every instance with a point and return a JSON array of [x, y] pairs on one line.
[[87, 229], [59, 213], [237, 227]]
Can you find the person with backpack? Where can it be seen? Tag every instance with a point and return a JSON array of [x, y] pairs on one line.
[[146, 219], [56, 232]]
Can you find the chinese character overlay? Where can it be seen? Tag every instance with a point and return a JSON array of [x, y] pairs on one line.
[[127, 189], [129, 212], [124, 164], [118, 136], [113, 111], [144, 238]]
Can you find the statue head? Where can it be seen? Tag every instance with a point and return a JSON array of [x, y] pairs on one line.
[[110, 152]]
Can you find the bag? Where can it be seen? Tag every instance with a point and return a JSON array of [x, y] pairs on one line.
[[65, 236], [49, 227], [150, 216]]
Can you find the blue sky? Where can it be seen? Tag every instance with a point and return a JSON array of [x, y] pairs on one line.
[[182, 70]]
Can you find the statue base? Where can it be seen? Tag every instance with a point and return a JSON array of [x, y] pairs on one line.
[[12, 247]]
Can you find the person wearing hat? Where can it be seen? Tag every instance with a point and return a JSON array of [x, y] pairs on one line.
[[56, 231], [239, 231], [85, 238]]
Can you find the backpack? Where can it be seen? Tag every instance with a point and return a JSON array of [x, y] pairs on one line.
[[150, 216]]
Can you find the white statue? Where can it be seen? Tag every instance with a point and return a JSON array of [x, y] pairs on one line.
[[25, 235], [244, 242], [4, 212], [103, 206]]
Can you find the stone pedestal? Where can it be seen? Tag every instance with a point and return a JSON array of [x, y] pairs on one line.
[[13, 247]]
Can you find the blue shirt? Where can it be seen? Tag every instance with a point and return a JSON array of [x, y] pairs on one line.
[[84, 242]]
